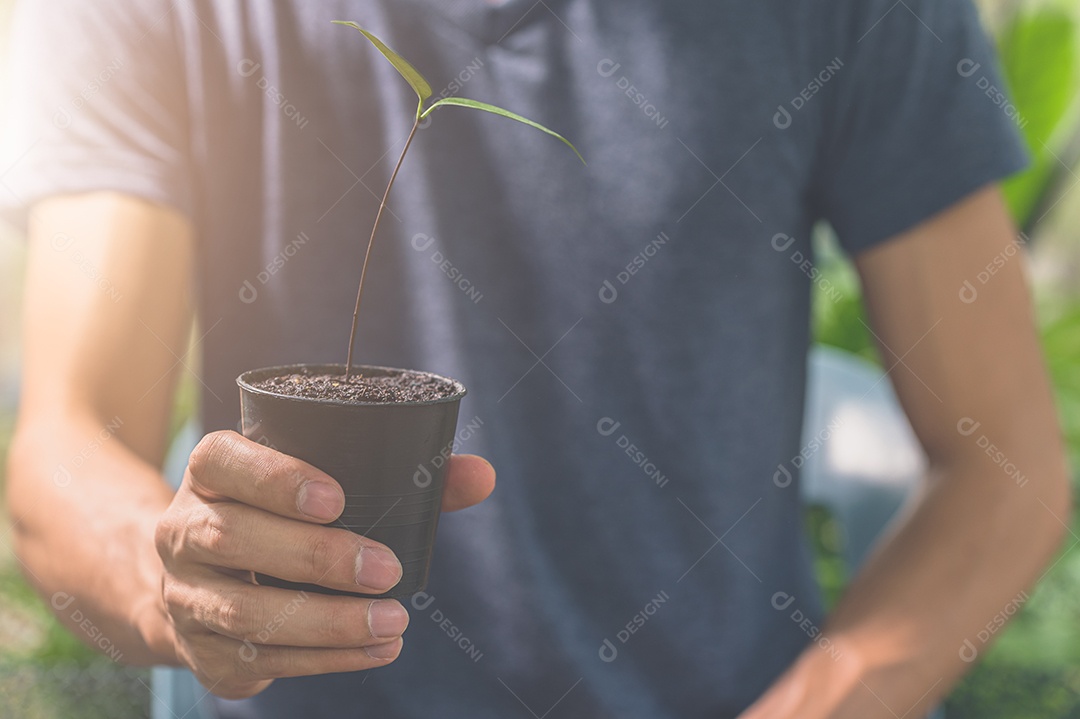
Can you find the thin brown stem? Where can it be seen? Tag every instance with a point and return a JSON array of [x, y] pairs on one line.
[[371, 241]]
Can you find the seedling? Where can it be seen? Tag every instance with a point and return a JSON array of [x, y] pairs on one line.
[[383, 435], [423, 92]]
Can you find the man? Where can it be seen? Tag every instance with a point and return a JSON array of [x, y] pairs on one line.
[[228, 158]]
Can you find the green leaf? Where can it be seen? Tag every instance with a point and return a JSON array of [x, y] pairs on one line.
[[1040, 56], [463, 102], [414, 78]]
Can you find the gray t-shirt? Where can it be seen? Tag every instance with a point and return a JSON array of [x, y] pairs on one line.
[[633, 333]]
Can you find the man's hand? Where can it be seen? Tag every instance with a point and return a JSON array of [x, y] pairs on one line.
[[107, 314], [246, 508]]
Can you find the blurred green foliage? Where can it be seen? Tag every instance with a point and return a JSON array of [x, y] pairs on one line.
[[1040, 55], [1033, 670], [1061, 343]]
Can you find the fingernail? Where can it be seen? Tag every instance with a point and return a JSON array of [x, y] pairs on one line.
[[390, 650], [319, 500], [387, 618], [377, 568]]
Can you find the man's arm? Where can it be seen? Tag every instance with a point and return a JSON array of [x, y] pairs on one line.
[[106, 309], [162, 576], [967, 373]]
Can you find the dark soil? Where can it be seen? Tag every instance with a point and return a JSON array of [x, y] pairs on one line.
[[399, 386]]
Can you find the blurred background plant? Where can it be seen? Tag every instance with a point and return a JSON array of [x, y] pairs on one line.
[[1034, 668]]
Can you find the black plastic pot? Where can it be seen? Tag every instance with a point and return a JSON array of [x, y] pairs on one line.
[[390, 459]]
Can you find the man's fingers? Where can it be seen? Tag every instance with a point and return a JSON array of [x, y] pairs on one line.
[[226, 465], [272, 662], [234, 669], [469, 480], [236, 536], [283, 617]]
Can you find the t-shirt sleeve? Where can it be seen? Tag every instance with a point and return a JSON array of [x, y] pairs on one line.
[[96, 101], [916, 121]]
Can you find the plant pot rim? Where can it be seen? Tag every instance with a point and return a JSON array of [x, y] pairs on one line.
[[244, 382]]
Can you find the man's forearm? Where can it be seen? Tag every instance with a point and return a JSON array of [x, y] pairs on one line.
[[84, 509], [963, 555]]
